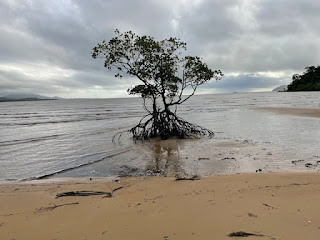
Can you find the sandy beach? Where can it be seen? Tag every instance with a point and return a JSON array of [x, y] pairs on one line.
[[270, 192], [270, 205], [302, 112]]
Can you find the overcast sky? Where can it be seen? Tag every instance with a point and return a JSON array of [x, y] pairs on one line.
[[45, 45]]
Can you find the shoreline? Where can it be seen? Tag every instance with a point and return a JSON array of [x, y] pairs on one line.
[[293, 111], [90, 179], [276, 205], [270, 142]]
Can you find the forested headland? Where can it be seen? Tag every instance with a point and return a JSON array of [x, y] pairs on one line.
[[308, 81]]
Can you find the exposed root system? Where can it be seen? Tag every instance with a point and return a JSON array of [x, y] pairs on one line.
[[166, 125]]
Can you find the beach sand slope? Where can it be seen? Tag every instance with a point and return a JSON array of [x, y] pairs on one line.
[[277, 206]]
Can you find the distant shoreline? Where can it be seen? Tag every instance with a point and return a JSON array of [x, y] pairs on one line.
[[24, 100]]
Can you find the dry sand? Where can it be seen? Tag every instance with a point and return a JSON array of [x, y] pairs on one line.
[[302, 112], [278, 206]]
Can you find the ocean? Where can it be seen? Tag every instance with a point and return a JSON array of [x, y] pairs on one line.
[[46, 138]]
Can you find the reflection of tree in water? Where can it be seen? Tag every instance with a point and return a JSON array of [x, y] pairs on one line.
[[165, 159]]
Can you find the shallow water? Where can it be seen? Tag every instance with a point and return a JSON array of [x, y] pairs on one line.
[[44, 137]]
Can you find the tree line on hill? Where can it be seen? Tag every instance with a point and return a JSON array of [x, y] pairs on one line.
[[308, 81]]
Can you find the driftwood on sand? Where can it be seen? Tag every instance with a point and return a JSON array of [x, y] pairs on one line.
[[244, 234], [87, 193], [54, 207], [192, 178]]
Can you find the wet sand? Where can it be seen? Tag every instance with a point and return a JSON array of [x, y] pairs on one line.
[[207, 157], [302, 112], [276, 205]]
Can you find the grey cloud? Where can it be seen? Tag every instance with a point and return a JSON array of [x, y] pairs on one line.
[[236, 36], [81, 83], [288, 17], [245, 83], [24, 84], [266, 36]]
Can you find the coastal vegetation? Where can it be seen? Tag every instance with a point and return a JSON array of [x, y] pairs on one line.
[[4, 99], [25, 97], [308, 81], [167, 79]]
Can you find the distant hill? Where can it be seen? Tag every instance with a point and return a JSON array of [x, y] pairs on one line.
[[25, 97], [308, 81], [282, 88]]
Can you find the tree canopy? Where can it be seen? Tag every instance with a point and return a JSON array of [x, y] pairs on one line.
[[308, 81], [164, 75]]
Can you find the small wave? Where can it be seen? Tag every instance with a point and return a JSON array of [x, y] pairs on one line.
[[14, 142], [7, 114], [40, 123], [78, 166], [87, 118]]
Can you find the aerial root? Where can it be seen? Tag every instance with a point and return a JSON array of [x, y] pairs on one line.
[[168, 125]]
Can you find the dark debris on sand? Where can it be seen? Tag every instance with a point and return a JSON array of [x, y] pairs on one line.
[[244, 234]]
